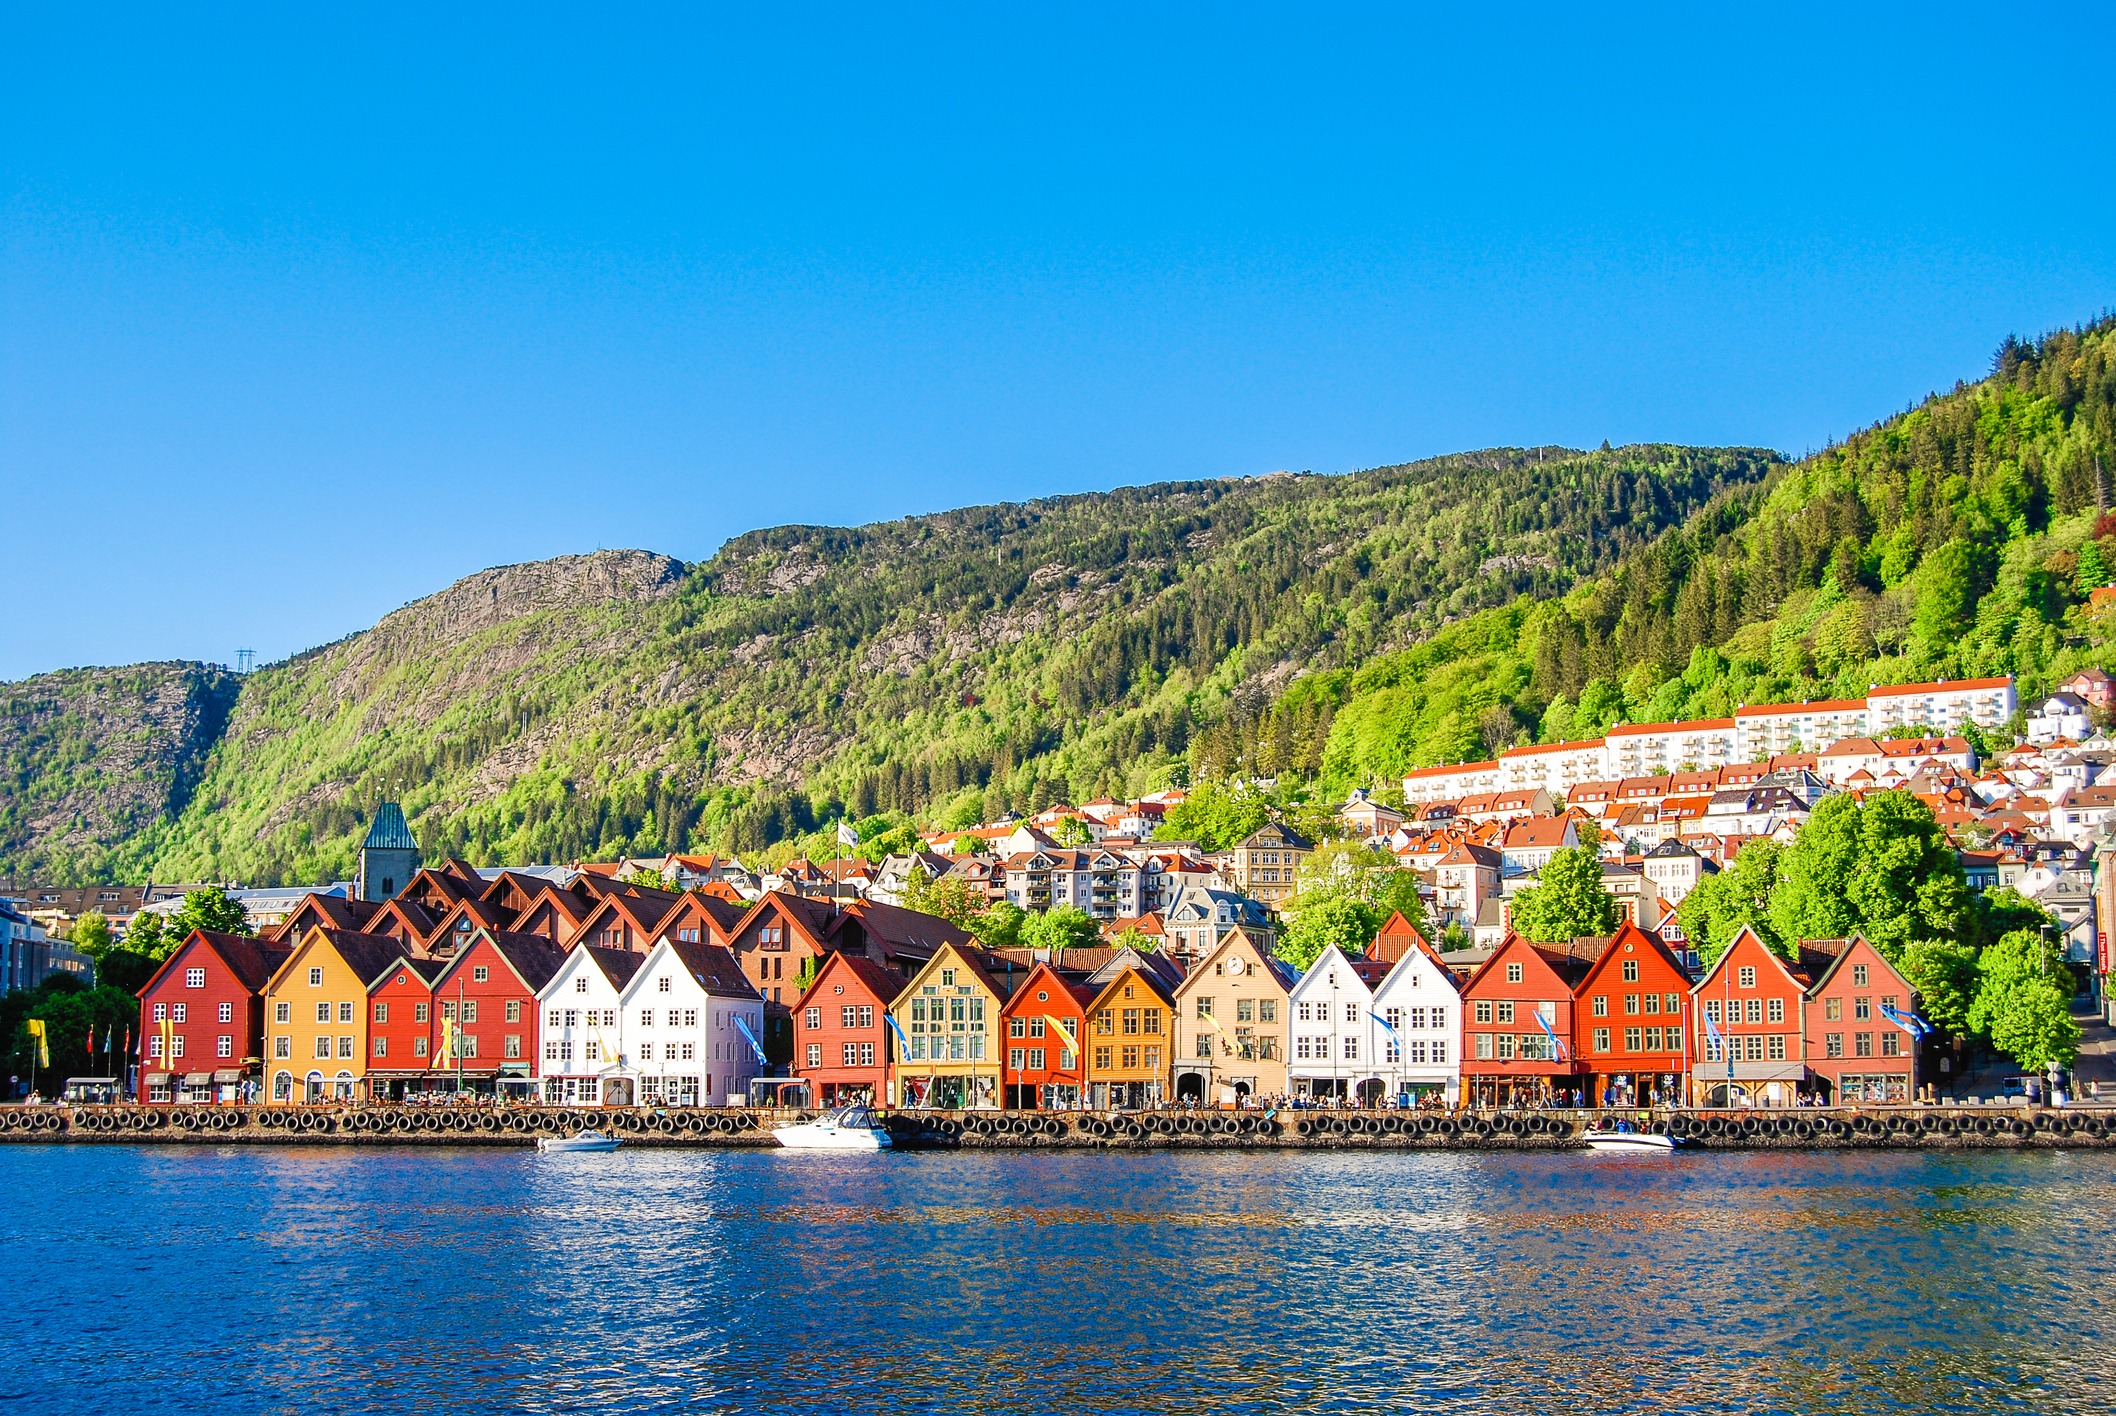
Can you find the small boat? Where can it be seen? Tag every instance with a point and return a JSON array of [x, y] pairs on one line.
[[581, 1141], [1625, 1139], [851, 1128]]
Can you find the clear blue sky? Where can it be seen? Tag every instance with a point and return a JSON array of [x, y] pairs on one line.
[[305, 311]]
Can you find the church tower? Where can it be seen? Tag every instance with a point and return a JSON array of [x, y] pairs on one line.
[[389, 857]]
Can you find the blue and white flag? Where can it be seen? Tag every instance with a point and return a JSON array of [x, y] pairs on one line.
[[1557, 1048], [1908, 1022], [754, 1045], [898, 1028], [1385, 1026]]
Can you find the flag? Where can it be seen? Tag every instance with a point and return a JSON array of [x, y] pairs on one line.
[[169, 1044], [1557, 1048], [1226, 1042], [847, 834], [754, 1045], [128, 1040], [898, 1029], [1393, 1037], [88, 1043], [1908, 1022], [1066, 1038], [447, 1055], [36, 1032]]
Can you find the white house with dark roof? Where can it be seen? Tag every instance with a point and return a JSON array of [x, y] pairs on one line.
[[584, 1061], [1417, 1015], [681, 1021]]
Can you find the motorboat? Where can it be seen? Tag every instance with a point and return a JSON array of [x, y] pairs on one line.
[[579, 1141], [1622, 1138], [850, 1128]]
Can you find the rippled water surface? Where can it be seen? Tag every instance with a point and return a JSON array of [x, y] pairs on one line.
[[342, 1280]]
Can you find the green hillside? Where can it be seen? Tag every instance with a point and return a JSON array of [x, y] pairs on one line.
[[946, 666], [1312, 631], [1960, 539]]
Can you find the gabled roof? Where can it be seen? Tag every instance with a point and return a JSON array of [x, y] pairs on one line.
[[903, 934], [1118, 970], [811, 918], [1076, 992], [885, 984], [414, 918], [1536, 833], [1791, 974], [252, 961], [987, 969], [1641, 941], [427, 971], [1570, 962], [533, 958], [644, 913], [713, 967], [330, 911], [365, 954]]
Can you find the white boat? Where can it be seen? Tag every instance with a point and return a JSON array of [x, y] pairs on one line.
[[581, 1141], [1629, 1141], [850, 1128]]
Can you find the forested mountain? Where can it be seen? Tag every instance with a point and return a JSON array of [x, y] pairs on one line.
[[1319, 631], [946, 666], [1960, 539]]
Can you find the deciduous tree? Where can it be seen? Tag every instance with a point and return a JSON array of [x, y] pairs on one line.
[[1567, 900]]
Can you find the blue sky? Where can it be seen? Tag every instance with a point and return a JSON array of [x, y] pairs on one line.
[[306, 311]]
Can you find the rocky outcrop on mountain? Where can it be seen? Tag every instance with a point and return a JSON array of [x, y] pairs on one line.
[[92, 759]]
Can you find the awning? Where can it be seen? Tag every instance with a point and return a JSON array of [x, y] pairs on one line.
[[514, 1069], [156, 1079], [227, 1076], [197, 1079]]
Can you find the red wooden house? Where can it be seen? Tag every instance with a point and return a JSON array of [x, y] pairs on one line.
[[1855, 1051], [202, 1019], [319, 911], [1633, 1009], [400, 1029], [555, 914], [488, 992], [841, 1030], [1045, 1068], [631, 922], [1746, 1043], [408, 922], [1518, 1024], [462, 920]]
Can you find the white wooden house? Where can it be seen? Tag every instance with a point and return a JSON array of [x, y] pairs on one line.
[[1333, 1051], [583, 1061], [682, 1019], [1419, 1048]]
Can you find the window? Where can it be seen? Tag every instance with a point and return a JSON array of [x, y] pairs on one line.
[[1351, 1049], [1506, 1011], [1712, 1009], [480, 974], [1102, 1056], [661, 985], [1601, 1039], [1891, 1044], [1861, 1008], [323, 1046], [1862, 1044], [418, 1047], [1631, 1005], [224, 1046], [1833, 1044], [161, 1012], [1777, 1010], [1833, 1009], [345, 1012], [194, 978], [1267, 1010], [345, 1047], [1017, 1026], [1747, 977], [1514, 973], [1601, 1005], [381, 1045], [1483, 1010], [1633, 1040], [281, 1012], [1484, 1047], [315, 978], [282, 1046], [514, 1010], [1755, 1010], [178, 1013], [1631, 971], [1858, 975], [815, 1054], [1131, 1059], [323, 1012], [1672, 1004], [580, 985], [1755, 1047], [812, 1018], [382, 1012], [512, 1045], [1506, 1047], [1653, 1039], [421, 1012]]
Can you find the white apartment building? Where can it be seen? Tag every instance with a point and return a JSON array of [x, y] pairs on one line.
[[1556, 767], [1333, 1037], [1450, 782], [1944, 707], [1772, 730], [1653, 749]]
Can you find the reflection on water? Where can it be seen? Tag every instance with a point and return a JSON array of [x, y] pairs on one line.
[[244, 1279]]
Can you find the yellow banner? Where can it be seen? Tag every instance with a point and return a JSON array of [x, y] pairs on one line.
[[1065, 1039], [36, 1030]]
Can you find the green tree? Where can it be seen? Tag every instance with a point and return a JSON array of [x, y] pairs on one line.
[[1214, 816], [144, 936], [1739, 895], [1949, 584], [1329, 922], [2093, 570], [91, 935], [2021, 958], [1374, 878], [85, 1029], [1998, 913], [1883, 870], [998, 925], [1072, 831], [210, 908], [1061, 927], [2035, 1027], [1567, 900], [1945, 975]]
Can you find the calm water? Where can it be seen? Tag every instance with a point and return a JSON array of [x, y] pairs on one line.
[[257, 1280]]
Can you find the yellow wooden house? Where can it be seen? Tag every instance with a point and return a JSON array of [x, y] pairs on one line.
[[949, 1047], [1130, 1040], [316, 1009]]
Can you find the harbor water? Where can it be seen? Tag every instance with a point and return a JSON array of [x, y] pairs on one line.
[[249, 1279]]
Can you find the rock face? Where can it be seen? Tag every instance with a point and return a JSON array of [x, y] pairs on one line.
[[510, 592], [90, 759]]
